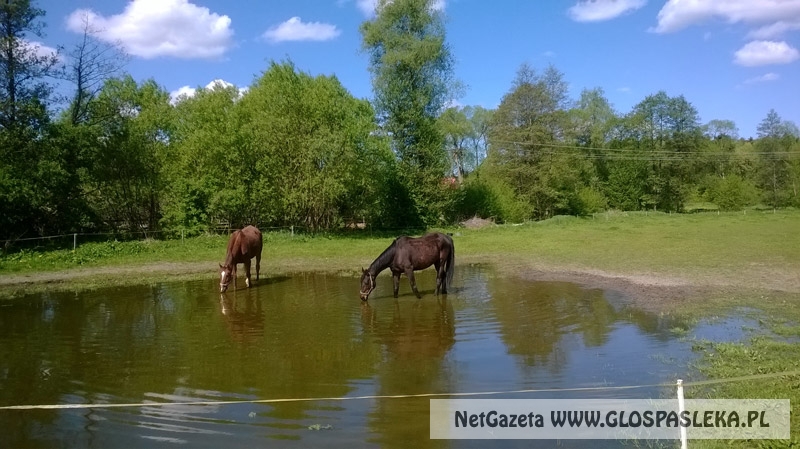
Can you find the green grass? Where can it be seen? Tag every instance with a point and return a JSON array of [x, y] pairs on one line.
[[760, 355], [698, 247]]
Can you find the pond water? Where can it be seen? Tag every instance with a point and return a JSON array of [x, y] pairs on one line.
[[309, 336]]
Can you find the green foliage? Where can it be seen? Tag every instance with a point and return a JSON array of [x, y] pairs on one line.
[[590, 201], [294, 150], [124, 179], [490, 198], [730, 193], [299, 150], [761, 355], [411, 70]]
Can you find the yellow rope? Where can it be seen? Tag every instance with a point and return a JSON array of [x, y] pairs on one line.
[[393, 396]]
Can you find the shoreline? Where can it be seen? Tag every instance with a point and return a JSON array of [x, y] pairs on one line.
[[658, 292]]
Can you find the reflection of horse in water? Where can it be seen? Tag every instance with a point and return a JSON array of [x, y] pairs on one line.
[[243, 315], [419, 330], [415, 338]]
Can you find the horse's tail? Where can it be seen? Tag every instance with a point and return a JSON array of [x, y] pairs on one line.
[[451, 262]]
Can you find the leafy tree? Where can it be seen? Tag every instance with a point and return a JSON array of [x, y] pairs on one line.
[[666, 132], [529, 128], [412, 72], [293, 150], [457, 131], [125, 178], [23, 69], [312, 148], [480, 120], [203, 173], [777, 177], [28, 165]]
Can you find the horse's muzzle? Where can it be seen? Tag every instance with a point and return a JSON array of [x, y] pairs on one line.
[[222, 288]]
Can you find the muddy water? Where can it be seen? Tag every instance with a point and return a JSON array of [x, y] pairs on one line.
[[309, 336]]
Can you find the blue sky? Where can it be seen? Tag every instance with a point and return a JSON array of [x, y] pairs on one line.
[[732, 59]]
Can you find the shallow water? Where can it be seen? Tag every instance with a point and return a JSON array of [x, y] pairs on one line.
[[309, 336]]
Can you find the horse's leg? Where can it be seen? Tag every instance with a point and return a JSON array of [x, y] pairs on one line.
[[412, 281], [443, 276], [247, 273], [258, 265], [396, 280], [438, 278]]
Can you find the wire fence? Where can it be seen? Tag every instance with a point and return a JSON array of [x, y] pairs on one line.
[[73, 240]]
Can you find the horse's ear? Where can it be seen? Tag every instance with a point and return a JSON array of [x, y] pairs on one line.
[[363, 270], [220, 265]]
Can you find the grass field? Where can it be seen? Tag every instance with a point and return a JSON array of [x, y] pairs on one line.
[[755, 249]]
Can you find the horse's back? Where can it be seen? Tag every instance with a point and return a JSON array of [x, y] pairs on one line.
[[245, 244]]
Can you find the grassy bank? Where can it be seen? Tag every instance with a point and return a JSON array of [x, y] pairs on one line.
[[759, 250]]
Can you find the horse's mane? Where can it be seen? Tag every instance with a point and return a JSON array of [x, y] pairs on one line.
[[234, 240], [384, 259]]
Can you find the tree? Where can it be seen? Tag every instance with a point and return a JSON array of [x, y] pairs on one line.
[[126, 178], [294, 150], [457, 131], [90, 64], [666, 132], [527, 137], [412, 69], [29, 166], [23, 69], [776, 174], [480, 120]]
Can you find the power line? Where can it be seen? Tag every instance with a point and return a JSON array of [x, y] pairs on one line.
[[643, 151]]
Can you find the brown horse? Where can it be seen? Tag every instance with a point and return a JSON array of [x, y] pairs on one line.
[[407, 254], [242, 247]]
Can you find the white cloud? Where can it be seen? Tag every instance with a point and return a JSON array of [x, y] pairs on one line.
[[763, 78], [156, 28], [774, 30], [185, 92], [295, 29], [758, 53], [624, 89], [41, 50], [369, 7], [599, 10], [679, 14]]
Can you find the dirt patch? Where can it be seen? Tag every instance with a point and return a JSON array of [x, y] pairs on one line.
[[477, 223]]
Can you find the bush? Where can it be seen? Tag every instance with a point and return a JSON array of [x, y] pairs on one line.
[[490, 199], [730, 193], [590, 200]]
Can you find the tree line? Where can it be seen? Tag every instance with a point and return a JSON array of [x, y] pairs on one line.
[[117, 154]]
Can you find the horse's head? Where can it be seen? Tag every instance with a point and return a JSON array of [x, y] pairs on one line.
[[225, 277], [367, 284]]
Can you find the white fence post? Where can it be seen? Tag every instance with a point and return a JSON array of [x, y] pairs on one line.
[[74, 241], [681, 408]]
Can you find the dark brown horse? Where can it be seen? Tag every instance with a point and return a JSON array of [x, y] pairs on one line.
[[242, 247], [407, 254]]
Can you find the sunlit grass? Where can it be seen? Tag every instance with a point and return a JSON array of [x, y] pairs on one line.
[[690, 246]]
